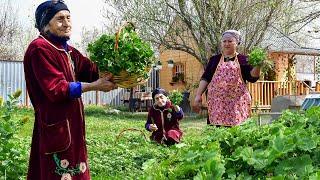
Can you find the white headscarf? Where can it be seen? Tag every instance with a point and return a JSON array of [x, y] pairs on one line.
[[236, 34]]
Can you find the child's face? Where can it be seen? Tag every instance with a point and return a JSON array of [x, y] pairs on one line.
[[160, 100]]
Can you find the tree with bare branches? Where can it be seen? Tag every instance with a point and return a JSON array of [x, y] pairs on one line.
[[87, 36], [195, 26], [14, 38], [8, 29]]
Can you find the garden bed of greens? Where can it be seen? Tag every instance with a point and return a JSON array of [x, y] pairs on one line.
[[289, 148]]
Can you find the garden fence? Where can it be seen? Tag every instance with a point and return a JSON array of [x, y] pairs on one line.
[[12, 79], [262, 92]]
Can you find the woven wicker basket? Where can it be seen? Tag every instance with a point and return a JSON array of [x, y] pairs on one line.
[[124, 79]]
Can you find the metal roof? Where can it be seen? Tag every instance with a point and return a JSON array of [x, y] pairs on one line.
[[276, 41], [297, 51]]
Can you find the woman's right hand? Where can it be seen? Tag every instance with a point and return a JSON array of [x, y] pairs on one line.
[[153, 127], [198, 100], [103, 84]]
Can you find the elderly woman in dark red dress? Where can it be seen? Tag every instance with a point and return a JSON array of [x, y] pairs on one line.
[[163, 119], [225, 77], [56, 76]]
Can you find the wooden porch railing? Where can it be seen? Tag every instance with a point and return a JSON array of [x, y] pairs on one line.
[[263, 92]]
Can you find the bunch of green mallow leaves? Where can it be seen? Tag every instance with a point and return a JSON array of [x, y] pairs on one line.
[[257, 56], [289, 148], [123, 54]]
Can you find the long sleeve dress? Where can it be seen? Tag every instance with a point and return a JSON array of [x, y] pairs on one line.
[[58, 149]]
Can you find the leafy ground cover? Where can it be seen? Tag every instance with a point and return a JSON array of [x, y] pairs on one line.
[[286, 149], [110, 156]]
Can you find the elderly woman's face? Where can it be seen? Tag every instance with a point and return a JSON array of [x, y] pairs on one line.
[[160, 100], [60, 24], [229, 44]]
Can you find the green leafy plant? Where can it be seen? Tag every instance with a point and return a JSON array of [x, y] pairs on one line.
[[175, 97], [289, 148], [129, 54], [286, 149], [11, 155], [257, 56], [178, 77]]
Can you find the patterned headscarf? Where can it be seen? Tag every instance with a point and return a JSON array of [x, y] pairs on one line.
[[46, 10]]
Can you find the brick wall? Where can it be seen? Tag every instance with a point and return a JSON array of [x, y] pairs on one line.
[[192, 67], [281, 64]]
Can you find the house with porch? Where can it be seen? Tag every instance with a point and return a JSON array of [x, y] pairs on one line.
[[182, 71]]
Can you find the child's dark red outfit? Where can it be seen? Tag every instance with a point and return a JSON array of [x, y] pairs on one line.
[[167, 121]]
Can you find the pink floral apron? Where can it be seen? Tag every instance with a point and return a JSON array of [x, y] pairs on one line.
[[229, 101]]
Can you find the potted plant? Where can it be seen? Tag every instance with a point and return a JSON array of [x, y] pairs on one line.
[[175, 79], [179, 77]]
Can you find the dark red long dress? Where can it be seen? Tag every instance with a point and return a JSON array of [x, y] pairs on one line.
[[58, 149]]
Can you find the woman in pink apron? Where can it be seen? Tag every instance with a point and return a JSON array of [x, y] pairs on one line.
[[225, 77]]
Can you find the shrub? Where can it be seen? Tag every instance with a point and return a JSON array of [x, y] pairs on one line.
[[175, 97], [12, 161]]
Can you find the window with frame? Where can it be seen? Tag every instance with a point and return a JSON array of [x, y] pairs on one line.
[[178, 72]]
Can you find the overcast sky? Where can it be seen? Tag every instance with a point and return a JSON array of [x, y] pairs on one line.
[[87, 13]]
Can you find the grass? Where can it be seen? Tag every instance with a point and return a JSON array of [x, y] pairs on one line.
[[123, 157]]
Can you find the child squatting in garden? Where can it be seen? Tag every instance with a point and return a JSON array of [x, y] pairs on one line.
[[163, 119]]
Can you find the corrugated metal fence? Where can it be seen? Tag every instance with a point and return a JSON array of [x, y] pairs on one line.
[[12, 79]]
